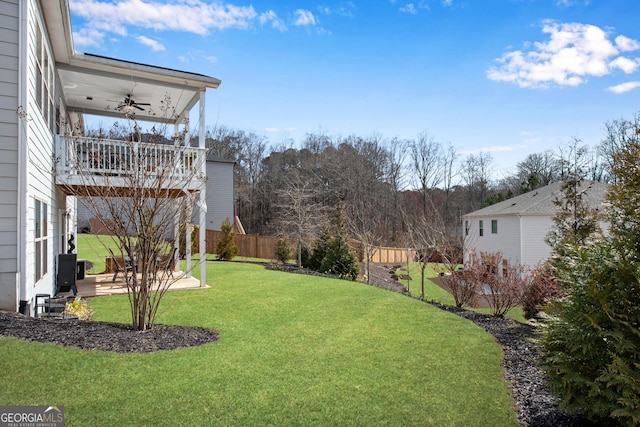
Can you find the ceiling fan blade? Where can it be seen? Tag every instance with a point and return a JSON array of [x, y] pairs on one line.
[[138, 106], [141, 103]]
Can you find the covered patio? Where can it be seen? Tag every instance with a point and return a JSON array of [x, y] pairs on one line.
[[103, 284]]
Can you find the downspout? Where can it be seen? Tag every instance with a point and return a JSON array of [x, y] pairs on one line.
[[23, 149], [203, 193]]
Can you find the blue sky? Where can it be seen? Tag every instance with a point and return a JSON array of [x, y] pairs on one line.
[[509, 77]]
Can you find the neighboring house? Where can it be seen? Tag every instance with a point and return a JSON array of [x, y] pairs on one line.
[[517, 227], [220, 196], [46, 90]]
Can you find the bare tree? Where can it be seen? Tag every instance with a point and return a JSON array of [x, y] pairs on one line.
[[137, 190], [475, 172], [428, 236], [618, 133], [426, 159], [503, 282], [299, 214], [368, 226], [465, 284]]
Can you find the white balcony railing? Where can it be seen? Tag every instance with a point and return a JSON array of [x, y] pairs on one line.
[[81, 156]]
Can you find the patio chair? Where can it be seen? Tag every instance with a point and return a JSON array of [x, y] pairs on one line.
[[166, 262], [123, 265]]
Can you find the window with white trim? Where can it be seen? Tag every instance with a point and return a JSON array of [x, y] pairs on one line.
[[44, 80], [494, 226], [41, 239], [481, 228]]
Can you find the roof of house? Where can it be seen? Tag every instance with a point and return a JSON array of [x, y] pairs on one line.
[[217, 159], [103, 86], [540, 201]]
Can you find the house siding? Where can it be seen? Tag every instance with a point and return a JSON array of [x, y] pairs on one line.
[[9, 95], [534, 247], [40, 182], [219, 194], [506, 241]]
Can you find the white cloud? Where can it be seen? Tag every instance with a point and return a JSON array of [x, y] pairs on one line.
[[272, 17], [304, 18], [625, 87], [569, 3], [447, 2], [414, 8], [409, 8], [88, 37], [626, 44], [573, 52], [625, 64], [343, 9], [153, 44], [195, 16]]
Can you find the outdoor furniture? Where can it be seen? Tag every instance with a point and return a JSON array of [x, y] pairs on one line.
[[123, 265], [166, 262]]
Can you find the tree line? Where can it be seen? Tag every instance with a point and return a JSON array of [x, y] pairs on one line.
[[382, 183]]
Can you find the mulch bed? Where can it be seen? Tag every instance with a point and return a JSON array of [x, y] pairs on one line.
[[104, 336]]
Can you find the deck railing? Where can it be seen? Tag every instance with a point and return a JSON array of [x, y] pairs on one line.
[[82, 155]]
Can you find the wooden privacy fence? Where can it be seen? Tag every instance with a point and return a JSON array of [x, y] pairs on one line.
[[254, 246], [250, 245]]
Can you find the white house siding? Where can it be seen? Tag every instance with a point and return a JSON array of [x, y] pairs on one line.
[[534, 232], [505, 241], [9, 87], [40, 183], [219, 194]]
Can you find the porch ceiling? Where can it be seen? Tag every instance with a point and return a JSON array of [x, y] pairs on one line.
[[98, 85]]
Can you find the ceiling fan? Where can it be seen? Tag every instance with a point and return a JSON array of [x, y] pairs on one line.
[[129, 104]]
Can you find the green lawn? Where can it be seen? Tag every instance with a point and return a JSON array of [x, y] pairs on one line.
[[293, 350]]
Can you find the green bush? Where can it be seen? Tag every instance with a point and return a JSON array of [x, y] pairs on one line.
[[283, 251], [340, 259], [319, 251], [226, 248], [591, 346]]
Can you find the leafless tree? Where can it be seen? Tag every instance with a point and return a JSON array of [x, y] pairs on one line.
[[368, 227], [503, 282], [428, 236], [476, 172], [426, 160], [466, 283], [618, 133], [299, 215], [137, 190]]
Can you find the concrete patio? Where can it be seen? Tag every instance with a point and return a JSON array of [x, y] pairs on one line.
[[102, 284]]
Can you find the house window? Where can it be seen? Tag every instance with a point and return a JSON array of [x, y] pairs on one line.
[[44, 80], [466, 228], [481, 228], [494, 226], [41, 239]]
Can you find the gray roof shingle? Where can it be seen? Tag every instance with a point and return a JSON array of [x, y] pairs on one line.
[[540, 201]]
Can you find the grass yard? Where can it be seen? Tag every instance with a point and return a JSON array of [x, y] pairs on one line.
[[293, 350]]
